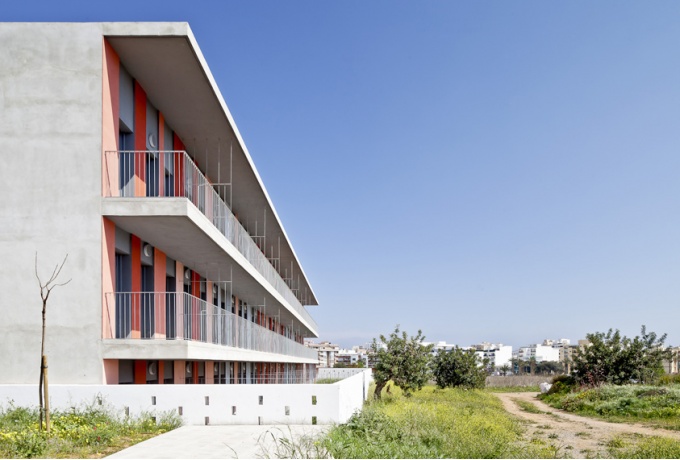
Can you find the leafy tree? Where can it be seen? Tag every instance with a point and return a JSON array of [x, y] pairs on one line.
[[532, 365], [613, 358], [516, 365], [459, 368], [403, 360], [521, 366]]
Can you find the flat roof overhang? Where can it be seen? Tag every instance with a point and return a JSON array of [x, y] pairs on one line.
[[179, 229], [167, 62], [187, 350]]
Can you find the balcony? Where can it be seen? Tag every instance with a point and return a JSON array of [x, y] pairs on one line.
[[173, 174], [173, 316]]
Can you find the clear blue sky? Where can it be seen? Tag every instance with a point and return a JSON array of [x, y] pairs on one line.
[[481, 170]]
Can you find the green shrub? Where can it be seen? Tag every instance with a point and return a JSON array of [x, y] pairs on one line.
[[27, 443], [668, 379], [459, 368], [616, 359], [562, 384]]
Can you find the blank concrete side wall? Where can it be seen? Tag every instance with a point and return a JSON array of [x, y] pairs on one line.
[[222, 404], [50, 186], [353, 392]]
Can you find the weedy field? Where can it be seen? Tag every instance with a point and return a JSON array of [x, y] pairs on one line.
[[657, 406], [433, 423], [88, 432]]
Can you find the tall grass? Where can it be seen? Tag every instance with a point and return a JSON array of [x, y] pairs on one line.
[[647, 447], [85, 432], [433, 423]]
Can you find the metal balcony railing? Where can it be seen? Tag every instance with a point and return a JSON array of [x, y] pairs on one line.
[[287, 377], [181, 316], [174, 174]]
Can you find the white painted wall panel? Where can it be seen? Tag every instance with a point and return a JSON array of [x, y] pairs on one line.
[[335, 403]]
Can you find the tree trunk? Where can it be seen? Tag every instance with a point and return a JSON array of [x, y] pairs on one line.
[[47, 395], [40, 394], [43, 364], [378, 390]]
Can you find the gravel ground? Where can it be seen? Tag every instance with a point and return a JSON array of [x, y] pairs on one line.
[[573, 435]]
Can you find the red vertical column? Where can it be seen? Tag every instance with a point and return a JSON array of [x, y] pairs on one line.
[[140, 372], [179, 166], [161, 372], [140, 140]]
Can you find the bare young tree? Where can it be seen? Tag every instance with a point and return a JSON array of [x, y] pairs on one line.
[[45, 291]]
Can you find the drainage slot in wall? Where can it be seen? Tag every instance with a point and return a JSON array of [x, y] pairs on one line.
[[153, 419], [233, 410], [259, 420], [314, 420], [207, 400], [180, 410], [153, 400], [287, 410], [127, 411], [313, 400], [261, 399], [207, 420]]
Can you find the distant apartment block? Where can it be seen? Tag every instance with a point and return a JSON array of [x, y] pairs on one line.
[[538, 352], [440, 346], [671, 365], [566, 350], [327, 352], [499, 355], [353, 357]]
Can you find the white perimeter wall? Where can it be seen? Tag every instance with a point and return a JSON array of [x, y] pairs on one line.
[[335, 403]]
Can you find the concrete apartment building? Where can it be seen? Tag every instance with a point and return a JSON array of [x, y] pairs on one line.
[[538, 352], [352, 357], [671, 365], [119, 150], [566, 351], [327, 352], [499, 355]]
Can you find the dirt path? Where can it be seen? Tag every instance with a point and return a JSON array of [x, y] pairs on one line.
[[575, 436]]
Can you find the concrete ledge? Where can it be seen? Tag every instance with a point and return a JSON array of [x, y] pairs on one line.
[[188, 350]]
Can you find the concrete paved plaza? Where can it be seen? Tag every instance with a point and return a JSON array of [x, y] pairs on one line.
[[224, 441]]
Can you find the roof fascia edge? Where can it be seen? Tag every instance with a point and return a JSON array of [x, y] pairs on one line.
[[244, 148]]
